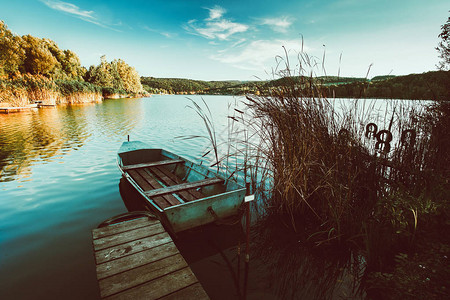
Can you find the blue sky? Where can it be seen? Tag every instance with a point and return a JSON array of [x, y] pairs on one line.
[[238, 39]]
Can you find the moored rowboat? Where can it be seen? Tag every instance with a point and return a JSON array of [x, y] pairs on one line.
[[184, 195]]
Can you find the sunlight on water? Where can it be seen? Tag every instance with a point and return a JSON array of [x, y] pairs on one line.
[[59, 179]]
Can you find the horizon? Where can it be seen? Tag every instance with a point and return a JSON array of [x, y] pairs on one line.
[[202, 40]]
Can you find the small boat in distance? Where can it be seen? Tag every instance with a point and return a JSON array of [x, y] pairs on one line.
[[182, 194]]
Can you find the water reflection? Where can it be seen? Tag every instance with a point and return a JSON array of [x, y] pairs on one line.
[[46, 134], [36, 135], [292, 269], [118, 118]]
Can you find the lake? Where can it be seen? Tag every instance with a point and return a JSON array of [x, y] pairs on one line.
[[59, 180]]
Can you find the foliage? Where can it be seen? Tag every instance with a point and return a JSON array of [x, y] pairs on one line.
[[29, 54], [382, 77], [68, 87], [428, 86], [130, 78], [11, 52], [179, 85], [444, 47], [39, 65], [116, 76]]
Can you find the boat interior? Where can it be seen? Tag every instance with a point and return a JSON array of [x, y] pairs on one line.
[[169, 180]]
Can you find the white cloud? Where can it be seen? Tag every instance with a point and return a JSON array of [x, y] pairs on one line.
[[216, 27], [216, 13], [166, 34], [278, 24], [256, 55], [72, 9]]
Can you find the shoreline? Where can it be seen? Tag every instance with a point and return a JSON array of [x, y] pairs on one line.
[[73, 99]]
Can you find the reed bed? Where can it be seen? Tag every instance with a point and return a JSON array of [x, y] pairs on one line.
[[375, 179]]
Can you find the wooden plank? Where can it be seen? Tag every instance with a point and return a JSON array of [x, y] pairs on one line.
[[156, 185], [196, 194], [134, 277], [159, 287], [168, 181], [153, 164], [116, 266], [140, 181], [131, 247], [161, 202], [98, 233], [194, 291], [183, 186], [127, 236]]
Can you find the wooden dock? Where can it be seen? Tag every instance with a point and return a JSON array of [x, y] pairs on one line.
[[7, 110], [137, 259]]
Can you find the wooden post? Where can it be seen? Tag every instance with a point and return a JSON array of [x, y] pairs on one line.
[[247, 240]]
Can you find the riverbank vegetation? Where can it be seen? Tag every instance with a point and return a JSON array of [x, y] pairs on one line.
[[349, 177], [35, 69], [340, 180]]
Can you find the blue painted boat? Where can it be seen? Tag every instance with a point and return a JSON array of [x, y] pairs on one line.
[[182, 194]]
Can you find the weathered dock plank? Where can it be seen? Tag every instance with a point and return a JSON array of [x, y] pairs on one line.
[[117, 266], [7, 110], [159, 287], [142, 274], [131, 247], [137, 259], [127, 236], [122, 227], [194, 291]]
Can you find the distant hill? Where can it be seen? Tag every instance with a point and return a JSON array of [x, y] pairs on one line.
[[183, 86], [430, 85], [434, 85], [382, 77]]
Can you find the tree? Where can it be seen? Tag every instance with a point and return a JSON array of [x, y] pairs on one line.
[[130, 78], [116, 74], [101, 74], [11, 52], [444, 47], [38, 58]]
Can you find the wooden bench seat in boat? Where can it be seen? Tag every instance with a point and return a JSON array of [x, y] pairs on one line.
[[153, 164], [165, 188], [183, 187]]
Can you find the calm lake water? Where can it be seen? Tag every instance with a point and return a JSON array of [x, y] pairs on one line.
[[59, 180]]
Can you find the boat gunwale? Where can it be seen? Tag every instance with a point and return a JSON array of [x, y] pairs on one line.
[[203, 199]]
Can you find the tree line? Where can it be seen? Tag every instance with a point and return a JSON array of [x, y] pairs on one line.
[[429, 86], [41, 57]]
